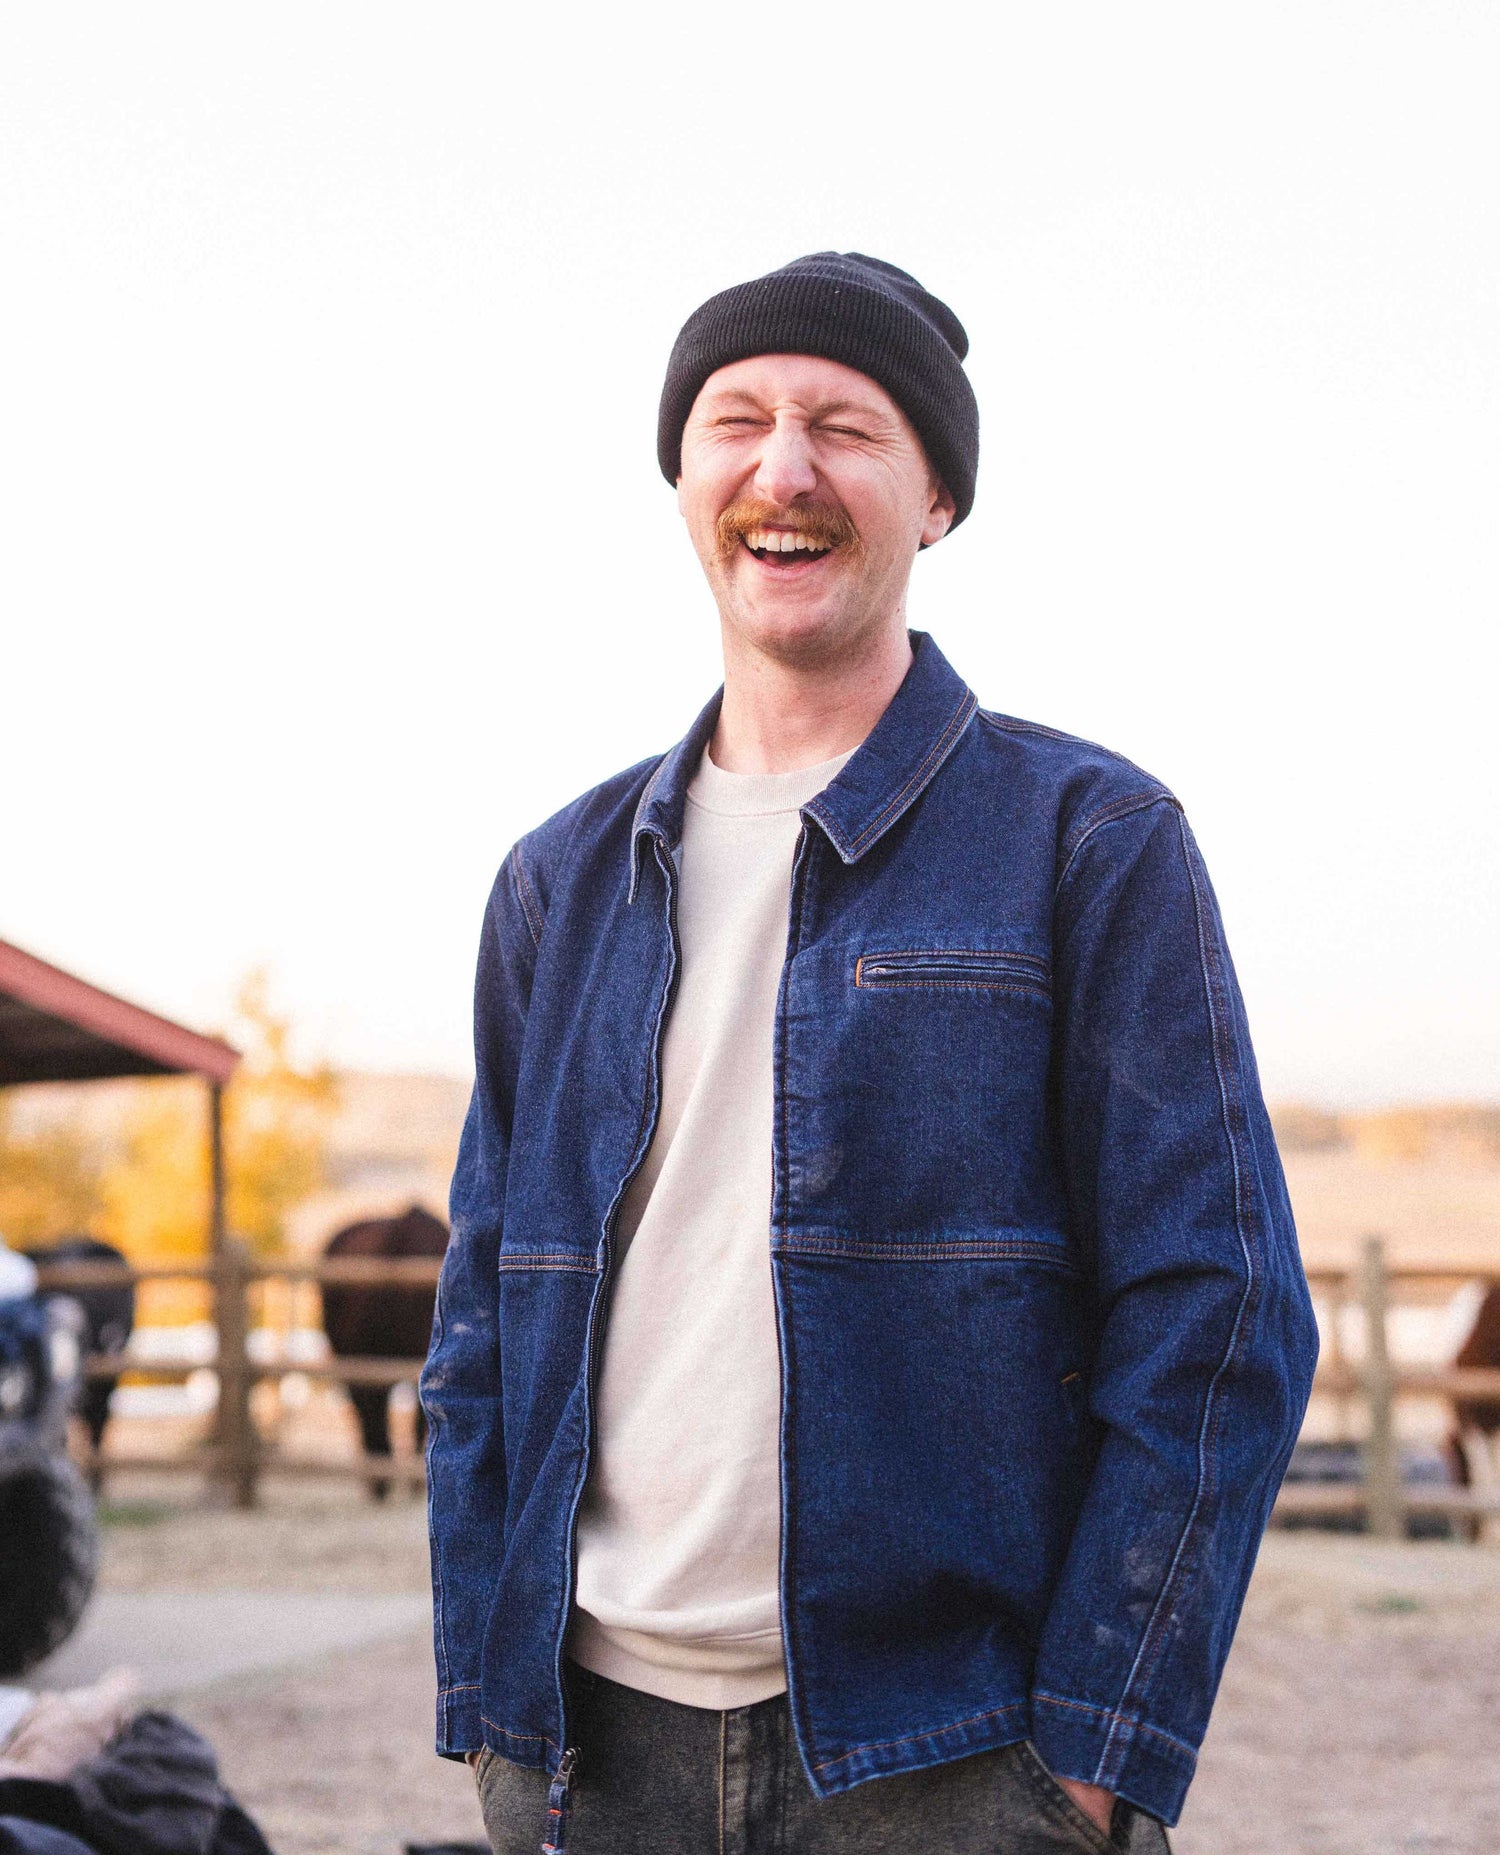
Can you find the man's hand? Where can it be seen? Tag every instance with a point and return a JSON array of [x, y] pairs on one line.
[[1096, 1804]]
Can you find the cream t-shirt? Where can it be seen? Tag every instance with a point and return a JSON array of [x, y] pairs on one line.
[[679, 1528]]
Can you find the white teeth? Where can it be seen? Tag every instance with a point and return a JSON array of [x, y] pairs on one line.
[[780, 541]]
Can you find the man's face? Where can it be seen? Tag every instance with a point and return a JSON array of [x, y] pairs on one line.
[[806, 492]]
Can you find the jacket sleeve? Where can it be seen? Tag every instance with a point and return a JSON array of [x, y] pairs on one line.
[[461, 1381], [1206, 1341]]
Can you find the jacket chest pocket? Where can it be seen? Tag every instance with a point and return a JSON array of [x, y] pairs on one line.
[[952, 969], [914, 1093]]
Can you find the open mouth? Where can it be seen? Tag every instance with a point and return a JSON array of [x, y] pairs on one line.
[[784, 548]]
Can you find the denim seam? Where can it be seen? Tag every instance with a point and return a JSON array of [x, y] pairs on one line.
[[439, 1590], [785, 1245], [1137, 1682], [851, 848], [1010, 724], [1118, 808], [519, 1738], [530, 907], [1018, 986], [1133, 1722], [934, 1732], [723, 1735]]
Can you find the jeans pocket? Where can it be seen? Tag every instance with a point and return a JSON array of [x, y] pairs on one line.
[[1060, 1808]]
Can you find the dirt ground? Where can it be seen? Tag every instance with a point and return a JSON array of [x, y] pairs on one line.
[[1360, 1713]]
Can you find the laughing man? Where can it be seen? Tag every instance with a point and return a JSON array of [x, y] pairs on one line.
[[872, 1333]]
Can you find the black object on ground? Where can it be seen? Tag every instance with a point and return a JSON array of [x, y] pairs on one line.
[[18, 1838], [49, 1553]]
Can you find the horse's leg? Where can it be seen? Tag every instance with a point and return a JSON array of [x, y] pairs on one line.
[[95, 1415], [370, 1407], [1482, 1460]]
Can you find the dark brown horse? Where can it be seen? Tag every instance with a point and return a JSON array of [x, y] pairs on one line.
[[382, 1322]]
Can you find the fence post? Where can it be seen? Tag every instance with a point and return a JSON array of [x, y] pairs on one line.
[[1382, 1467], [238, 1443]]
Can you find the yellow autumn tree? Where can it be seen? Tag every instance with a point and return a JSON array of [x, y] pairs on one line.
[[276, 1116], [50, 1182]]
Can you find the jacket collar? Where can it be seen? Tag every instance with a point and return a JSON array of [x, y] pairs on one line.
[[879, 782]]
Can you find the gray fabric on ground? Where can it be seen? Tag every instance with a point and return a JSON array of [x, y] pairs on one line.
[[154, 1790]]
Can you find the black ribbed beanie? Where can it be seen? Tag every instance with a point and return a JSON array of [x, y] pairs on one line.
[[844, 307]]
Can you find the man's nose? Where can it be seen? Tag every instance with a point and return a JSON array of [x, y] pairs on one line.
[[786, 469]]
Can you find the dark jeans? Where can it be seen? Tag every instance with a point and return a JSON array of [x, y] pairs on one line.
[[656, 1778]]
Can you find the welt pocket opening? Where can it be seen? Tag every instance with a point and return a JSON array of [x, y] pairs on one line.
[[954, 968], [527, 1262]]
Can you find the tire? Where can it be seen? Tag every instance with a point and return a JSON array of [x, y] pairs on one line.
[[49, 1554]]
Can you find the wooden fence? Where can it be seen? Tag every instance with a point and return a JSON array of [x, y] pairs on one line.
[[1378, 1382], [237, 1455]]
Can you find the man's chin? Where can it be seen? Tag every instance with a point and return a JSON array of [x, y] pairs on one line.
[[802, 634]]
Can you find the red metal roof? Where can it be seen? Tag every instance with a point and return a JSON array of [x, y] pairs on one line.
[[55, 1028]]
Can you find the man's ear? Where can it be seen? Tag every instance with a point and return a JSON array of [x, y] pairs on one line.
[[940, 513], [680, 509]]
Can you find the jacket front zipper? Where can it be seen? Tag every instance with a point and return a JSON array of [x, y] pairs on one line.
[[555, 1839], [793, 929], [598, 1305]]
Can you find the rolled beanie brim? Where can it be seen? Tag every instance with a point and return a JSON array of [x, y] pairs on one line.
[[838, 317]]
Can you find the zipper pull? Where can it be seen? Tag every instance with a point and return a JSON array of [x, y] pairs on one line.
[[554, 1840]]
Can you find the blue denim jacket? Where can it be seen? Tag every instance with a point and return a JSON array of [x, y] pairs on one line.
[[1045, 1335]]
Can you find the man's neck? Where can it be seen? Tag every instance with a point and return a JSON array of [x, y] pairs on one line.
[[778, 717]]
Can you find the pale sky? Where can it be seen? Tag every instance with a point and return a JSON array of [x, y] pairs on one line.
[[335, 554]]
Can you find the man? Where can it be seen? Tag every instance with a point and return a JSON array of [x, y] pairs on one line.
[[872, 1333]]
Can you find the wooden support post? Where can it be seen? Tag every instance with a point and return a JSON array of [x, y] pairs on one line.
[[1337, 1357], [238, 1444], [1382, 1466], [216, 1188]]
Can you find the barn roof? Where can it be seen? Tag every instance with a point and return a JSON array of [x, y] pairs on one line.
[[56, 1028]]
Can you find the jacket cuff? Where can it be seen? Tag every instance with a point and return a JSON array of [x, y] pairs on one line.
[[1139, 1762], [459, 1727]]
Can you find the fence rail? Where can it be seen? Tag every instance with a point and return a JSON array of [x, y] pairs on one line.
[[238, 1457]]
